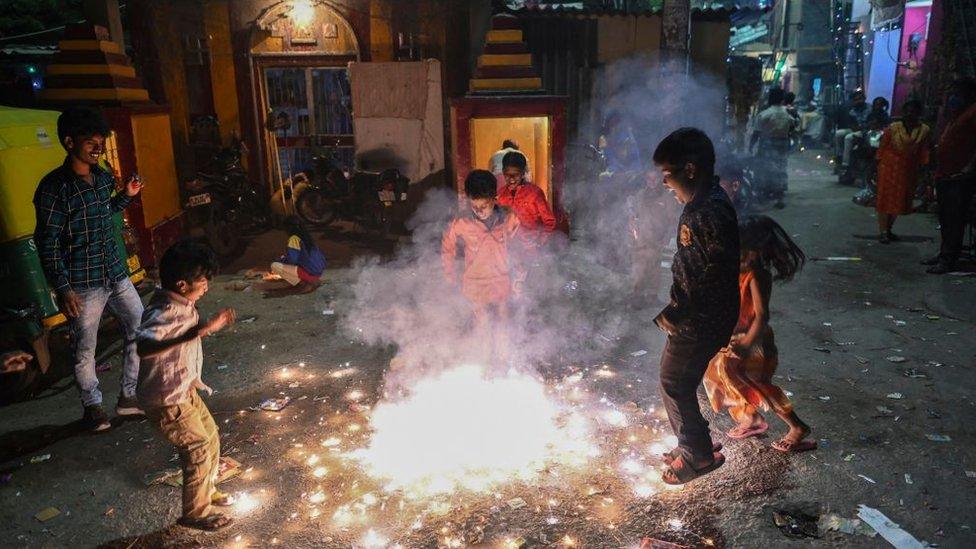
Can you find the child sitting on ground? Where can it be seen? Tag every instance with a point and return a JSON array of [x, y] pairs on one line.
[[168, 343], [484, 233], [740, 376], [302, 263]]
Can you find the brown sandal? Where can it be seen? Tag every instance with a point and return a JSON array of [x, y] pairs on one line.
[[210, 523], [679, 472]]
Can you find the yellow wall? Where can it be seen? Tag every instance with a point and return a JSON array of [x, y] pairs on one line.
[[380, 31], [222, 76], [154, 163], [532, 135]]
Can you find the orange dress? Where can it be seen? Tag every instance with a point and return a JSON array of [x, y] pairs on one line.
[[743, 384], [900, 156]]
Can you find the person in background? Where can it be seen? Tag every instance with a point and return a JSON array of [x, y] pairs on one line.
[[903, 151], [620, 146], [169, 343], [955, 174], [789, 103], [301, 265], [75, 236], [852, 120], [484, 235], [878, 116], [536, 220], [740, 376], [497, 166], [774, 127], [704, 303]]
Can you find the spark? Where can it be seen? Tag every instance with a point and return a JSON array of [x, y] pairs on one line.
[[354, 395], [344, 372], [312, 460], [460, 430], [317, 497], [373, 540], [246, 503], [331, 442], [319, 472], [676, 524]]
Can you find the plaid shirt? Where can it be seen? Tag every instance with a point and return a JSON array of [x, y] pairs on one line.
[[75, 234]]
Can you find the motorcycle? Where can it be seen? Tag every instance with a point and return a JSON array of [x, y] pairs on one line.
[[226, 204], [372, 200]]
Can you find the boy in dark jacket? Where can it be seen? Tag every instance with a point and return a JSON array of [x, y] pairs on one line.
[[704, 296]]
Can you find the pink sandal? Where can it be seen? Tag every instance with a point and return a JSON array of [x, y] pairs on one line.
[[737, 433]]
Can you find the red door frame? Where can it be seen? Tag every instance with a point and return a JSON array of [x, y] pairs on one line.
[[464, 109]]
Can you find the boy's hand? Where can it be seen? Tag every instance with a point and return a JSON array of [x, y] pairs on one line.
[[69, 303], [199, 385], [14, 361], [133, 185], [218, 322]]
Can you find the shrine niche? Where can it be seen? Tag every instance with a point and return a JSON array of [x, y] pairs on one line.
[[303, 26]]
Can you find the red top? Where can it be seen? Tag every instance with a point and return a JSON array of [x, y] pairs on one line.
[[536, 220], [957, 145]]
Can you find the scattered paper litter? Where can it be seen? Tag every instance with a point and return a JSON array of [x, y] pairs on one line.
[[895, 396], [642, 352], [971, 474], [40, 458], [895, 358], [889, 530], [938, 438], [869, 479], [328, 312], [516, 503], [908, 479], [47, 514], [273, 404]]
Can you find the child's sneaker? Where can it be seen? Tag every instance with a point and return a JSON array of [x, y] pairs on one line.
[[128, 406], [96, 419]]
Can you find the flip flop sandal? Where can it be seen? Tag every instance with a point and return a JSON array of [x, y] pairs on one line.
[[211, 523], [669, 456], [682, 473], [221, 499], [800, 446], [746, 433]]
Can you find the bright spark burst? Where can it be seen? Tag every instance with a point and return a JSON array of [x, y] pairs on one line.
[[462, 430]]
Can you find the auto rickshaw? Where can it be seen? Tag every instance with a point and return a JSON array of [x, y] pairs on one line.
[[29, 314]]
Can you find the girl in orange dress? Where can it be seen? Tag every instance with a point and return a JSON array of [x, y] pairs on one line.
[[904, 149], [740, 376]]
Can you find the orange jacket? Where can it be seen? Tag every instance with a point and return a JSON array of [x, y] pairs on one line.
[[535, 218], [485, 278]]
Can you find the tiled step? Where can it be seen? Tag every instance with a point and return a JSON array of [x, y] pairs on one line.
[[506, 84], [524, 59], [504, 36]]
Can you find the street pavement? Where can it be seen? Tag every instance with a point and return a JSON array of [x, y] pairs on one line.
[[878, 357]]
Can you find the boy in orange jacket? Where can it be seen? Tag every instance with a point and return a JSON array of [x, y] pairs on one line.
[[484, 234]]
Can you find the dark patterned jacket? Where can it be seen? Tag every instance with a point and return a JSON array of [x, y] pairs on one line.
[[705, 293]]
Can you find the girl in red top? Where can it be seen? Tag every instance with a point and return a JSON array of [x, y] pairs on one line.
[[740, 376]]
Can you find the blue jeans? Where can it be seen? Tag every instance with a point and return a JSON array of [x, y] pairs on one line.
[[124, 303]]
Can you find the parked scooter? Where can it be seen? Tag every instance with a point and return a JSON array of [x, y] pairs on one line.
[[372, 200], [226, 204]]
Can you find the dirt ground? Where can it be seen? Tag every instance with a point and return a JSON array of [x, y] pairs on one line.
[[839, 328]]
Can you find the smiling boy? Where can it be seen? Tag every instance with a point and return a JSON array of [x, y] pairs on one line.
[[704, 296], [75, 237]]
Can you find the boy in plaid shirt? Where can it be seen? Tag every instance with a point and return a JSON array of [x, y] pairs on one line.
[[75, 238]]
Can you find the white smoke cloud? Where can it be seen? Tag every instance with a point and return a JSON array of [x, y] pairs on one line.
[[580, 303]]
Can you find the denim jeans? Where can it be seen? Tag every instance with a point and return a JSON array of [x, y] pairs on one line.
[[124, 303], [683, 366]]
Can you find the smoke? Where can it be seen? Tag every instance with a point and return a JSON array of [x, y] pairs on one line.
[[580, 299]]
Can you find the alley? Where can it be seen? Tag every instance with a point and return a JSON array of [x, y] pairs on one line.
[[877, 355]]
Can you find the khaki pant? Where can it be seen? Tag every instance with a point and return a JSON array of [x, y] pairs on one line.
[[288, 273], [190, 427]]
